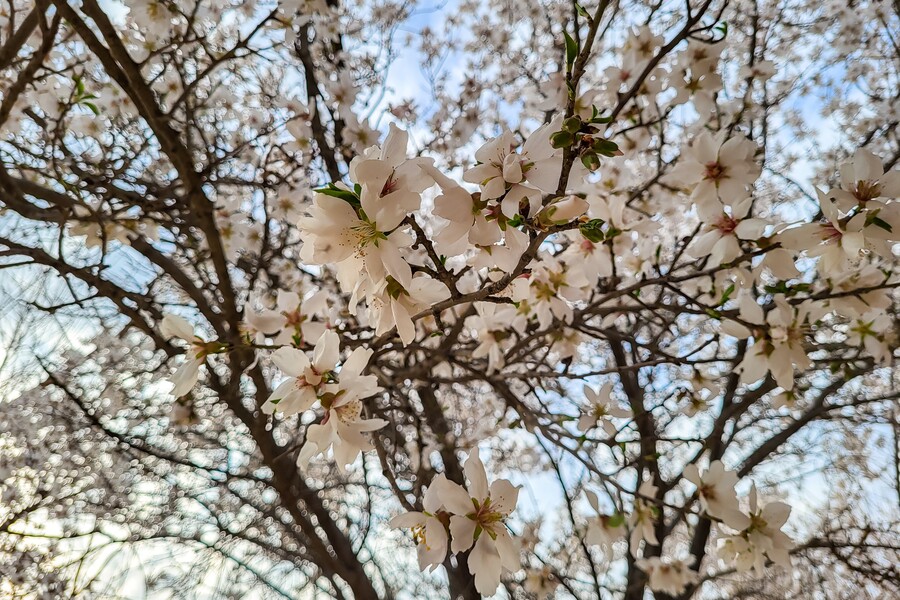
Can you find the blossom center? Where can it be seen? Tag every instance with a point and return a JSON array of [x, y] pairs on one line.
[[864, 191], [715, 171]]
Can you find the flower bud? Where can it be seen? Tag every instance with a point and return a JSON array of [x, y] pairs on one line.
[[563, 211]]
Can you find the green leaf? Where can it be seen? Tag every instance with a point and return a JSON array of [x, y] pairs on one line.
[[590, 161], [617, 519], [872, 218], [713, 313], [516, 221], [581, 11], [93, 107], [561, 139], [605, 147], [336, 192], [727, 295], [592, 230], [571, 51], [572, 125]]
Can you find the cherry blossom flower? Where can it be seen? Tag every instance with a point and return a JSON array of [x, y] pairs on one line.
[[185, 377], [465, 216], [392, 305], [479, 518], [668, 575], [492, 328], [717, 171], [863, 180], [838, 242], [515, 176], [715, 488], [389, 189], [604, 530], [292, 318], [429, 532], [600, 409], [541, 583], [761, 538], [307, 379], [642, 520], [778, 340], [720, 237], [342, 427]]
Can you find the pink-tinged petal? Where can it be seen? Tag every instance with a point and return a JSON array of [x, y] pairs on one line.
[[485, 565], [406, 329], [829, 208], [853, 243], [336, 211], [478, 483], [493, 188], [357, 361], [407, 520], [753, 367], [704, 244], [508, 550], [462, 533], [538, 143], [867, 166], [452, 495], [732, 190], [371, 424], [173, 326], [186, 376], [447, 185], [434, 550], [890, 184], [481, 173], [725, 250], [544, 174], [398, 268], [705, 148], [455, 205], [750, 229], [297, 401], [308, 450], [776, 514], [504, 496], [374, 174], [510, 203], [327, 352], [432, 501], [266, 321], [686, 173], [782, 371], [735, 329], [279, 393], [291, 361], [393, 150], [287, 301], [781, 263], [692, 474]]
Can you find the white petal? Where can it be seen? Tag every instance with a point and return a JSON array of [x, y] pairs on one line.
[[291, 361], [478, 484], [175, 326], [462, 533], [327, 352]]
